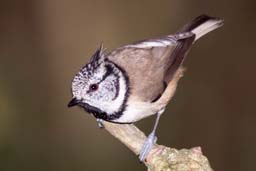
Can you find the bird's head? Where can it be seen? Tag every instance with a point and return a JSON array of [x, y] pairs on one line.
[[100, 87]]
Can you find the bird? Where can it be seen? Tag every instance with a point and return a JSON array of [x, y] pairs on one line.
[[137, 80]]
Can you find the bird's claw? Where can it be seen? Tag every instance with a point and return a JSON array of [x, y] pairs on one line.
[[100, 124], [147, 146]]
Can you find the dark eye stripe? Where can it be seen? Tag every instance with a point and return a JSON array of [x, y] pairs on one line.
[[109, 71]]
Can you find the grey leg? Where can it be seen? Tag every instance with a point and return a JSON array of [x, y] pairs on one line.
[[100, 124], [151, 139]]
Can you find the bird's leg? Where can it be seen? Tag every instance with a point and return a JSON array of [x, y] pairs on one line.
[[100, 124], [151, 139]]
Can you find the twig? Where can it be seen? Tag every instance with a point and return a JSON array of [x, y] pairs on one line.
[[160, 158]]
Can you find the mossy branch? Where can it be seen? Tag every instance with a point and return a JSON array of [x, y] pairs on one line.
[[160, 158]]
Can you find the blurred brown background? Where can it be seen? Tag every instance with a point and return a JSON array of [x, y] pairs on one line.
[[44, 43]]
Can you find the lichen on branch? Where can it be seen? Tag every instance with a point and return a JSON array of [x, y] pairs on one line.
[[161, 158]]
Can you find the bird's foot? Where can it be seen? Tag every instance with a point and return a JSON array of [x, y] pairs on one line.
[[147, 146], [100, 124]]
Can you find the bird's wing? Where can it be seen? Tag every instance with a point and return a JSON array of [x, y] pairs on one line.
[[150, 64]]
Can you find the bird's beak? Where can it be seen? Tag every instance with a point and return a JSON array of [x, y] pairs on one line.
[[74, 102]]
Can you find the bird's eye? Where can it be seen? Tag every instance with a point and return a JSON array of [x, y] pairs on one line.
[[94, 87]]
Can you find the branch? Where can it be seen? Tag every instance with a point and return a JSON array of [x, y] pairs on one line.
[[160, 158]]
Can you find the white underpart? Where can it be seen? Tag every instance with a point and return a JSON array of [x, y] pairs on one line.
[[135, 111], [207, 27]]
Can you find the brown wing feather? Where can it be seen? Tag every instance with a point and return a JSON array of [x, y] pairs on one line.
[[152, 63], [150, 67], [178, 56], [145, 68]]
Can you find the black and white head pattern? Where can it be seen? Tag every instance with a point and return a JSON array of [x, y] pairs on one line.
[[101, 88]]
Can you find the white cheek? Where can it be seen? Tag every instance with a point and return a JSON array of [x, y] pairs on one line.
[[106, 98], [107, 90], [108, 102]]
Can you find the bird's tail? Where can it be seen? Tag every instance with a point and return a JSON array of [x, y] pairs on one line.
[[202, 25]]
